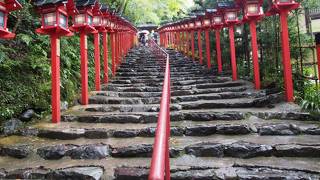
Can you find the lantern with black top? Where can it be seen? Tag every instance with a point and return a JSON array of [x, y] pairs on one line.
[[230, 11], [6, 6], [283, 7], [54, 22], [83, 23]]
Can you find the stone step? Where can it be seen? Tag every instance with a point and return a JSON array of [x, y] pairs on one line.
[[75, 115], [177, 80], [145, 94], [158, 88], [274, 128], [173, 74], [235, 172], [158, 82], [100, 99], [184, 167], [245, 147], [147, 117]]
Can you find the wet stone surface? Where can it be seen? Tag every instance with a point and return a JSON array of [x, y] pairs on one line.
[[16, 151], [279, 129], [237, 172], [141, 150], [91, 151]]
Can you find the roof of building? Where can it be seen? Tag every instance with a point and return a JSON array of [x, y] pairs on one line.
[[48, 2]]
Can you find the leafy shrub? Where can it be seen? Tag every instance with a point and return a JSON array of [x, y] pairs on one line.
[[311, 101]]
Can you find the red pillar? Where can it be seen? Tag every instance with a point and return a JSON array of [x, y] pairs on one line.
[[113, 51], [55, 76], [287, 71], [233, 53], [200, 46], [318, 55], [255, 59], [218, 49], [84, 68], [192, 45], [97, 60], [105, 57], [177, 40], [208, 48]]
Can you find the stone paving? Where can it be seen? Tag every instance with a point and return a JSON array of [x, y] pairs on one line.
[[220, 129]]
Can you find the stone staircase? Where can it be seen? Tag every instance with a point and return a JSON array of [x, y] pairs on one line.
[[220, 129]]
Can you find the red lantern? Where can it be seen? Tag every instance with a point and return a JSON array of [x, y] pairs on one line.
[[217, 21], [6, 6], [83, 21], [276, 6], [198, 24], [252, 9], [54, 20], [231, 16], [191, 25]]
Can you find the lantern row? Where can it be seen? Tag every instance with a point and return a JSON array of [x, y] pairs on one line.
[[226, 15], [88, 17]]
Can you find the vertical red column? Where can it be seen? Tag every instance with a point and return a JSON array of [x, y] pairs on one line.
[[192, 45], [233, 54], [113, 55], [287, 71], [318, 56], [97, 60], [200, 47], [105, 57], [116, 52], [208, 48], [256, 69], [218, 49], [84, 68], [55, 76]]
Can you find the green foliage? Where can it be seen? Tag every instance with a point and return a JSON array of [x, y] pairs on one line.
[[25, 69], [311, 101]]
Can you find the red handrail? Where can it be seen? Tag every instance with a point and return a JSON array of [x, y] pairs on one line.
[[160, 163]]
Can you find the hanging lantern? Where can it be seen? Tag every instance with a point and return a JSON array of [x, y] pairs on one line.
[[6, 6]]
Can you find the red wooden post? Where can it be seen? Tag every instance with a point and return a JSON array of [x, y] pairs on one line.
[[105, 57], [218, 49], [55, 76], [255, 59], [97, 60], [113, 51], [233, 53], [192, 45], [55, 31], [318, 56], [282, 8], [84, 68], [287, 70], [200, 47], [318, 52], [208, 48]]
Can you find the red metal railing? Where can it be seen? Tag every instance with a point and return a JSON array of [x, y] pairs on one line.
[[160, 163]]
